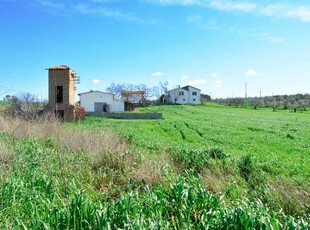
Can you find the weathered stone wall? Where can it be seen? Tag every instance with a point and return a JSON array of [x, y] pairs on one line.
[[129, 115], [79, 113]]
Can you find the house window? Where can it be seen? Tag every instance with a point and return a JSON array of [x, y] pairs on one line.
[[194, 99], [194, 93], [183, 99], [59, 94], [181, 93]]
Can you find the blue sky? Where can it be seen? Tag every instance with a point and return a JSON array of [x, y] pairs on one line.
[[214, 45]]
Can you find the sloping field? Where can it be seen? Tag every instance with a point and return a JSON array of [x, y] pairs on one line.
[[278, 141], [201, 167]]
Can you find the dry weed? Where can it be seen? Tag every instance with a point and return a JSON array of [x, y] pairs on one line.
[[92, 142], [22, 129], [214, 182], [151, 169], [291, 198], [5, 159]]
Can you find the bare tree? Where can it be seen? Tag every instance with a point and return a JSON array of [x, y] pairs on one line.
[[115, 89], [120, 90], [156, 92], [163, 85], [4, 90], [147, 92], [26, 106]]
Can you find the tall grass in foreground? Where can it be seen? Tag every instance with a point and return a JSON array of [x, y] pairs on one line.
[[55, 176], [40, 193], [92, 142]]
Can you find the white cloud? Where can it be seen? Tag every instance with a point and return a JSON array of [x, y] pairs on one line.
[[250, 72], [95, 81], [273, 9], [214, 75], [176, 2], [199, 22], [279, 10], [267, 36], [104, 1], [50, 4], [217, 84], [91, 9], [229, 6], [197, 82], [158, 74], [184, 77], [302, 13]]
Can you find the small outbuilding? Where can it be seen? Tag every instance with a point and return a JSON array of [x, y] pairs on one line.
[[98, 102]]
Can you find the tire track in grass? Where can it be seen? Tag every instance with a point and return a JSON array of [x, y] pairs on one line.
[[195, 130]]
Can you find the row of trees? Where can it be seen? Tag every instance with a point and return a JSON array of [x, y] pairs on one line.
[[294, 102]]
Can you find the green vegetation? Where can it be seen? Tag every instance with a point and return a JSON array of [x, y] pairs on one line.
[[279, 142], [200, 167]]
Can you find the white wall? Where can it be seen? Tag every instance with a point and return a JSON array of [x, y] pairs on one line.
[[175, 96], [117, 106], [193, 99], [88, 101]]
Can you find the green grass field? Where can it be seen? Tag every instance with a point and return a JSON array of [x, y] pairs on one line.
[[200, 167], [279, 140]]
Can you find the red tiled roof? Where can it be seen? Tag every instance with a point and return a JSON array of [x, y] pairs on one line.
[[186, 87], [59, 67]]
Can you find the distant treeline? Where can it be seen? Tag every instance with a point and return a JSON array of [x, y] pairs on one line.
[[294, 102]]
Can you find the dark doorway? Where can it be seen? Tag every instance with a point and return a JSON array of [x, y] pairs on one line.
[[60, 114], [59, 94], [105, 108], [101, 107]]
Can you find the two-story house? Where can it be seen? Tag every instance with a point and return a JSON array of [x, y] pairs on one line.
[[184, 95]]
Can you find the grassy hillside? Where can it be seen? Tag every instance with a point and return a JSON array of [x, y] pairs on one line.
[[200, 167], [276, 143], [280, 139]]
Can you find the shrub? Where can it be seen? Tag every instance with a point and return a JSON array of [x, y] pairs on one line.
[[217, 153], [192, 158]]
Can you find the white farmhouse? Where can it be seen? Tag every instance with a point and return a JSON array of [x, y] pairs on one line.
[[184, 95], [98, 102]]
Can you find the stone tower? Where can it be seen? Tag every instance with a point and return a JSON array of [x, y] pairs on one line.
[[61, 97]]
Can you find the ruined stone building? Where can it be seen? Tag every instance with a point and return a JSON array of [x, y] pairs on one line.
[[61, 96]]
